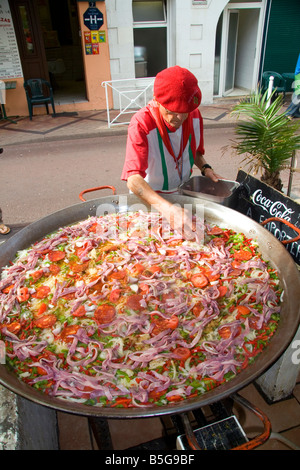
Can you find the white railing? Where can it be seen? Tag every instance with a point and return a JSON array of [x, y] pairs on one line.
[[129, 95]]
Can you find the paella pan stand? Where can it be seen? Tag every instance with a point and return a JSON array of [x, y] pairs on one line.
[[212, 428]]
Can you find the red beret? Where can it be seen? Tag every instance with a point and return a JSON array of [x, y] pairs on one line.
[[176, 89]]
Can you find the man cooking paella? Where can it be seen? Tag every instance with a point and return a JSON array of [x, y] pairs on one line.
[[165, 139]]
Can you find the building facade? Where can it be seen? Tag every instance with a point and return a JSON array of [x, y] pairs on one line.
[[79, 45]]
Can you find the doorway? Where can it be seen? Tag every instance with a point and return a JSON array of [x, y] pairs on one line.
[[238, 40], [60, 35]]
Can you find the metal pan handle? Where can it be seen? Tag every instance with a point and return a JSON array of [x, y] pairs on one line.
[[278, 219], [95, 189], [261, 438]]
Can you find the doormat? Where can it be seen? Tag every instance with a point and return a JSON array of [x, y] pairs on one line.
[[65, 114]]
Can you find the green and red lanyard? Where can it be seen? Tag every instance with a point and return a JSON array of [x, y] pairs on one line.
[[162, 129]]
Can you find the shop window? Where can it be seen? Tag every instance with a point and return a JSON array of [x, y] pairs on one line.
[[150, 37]]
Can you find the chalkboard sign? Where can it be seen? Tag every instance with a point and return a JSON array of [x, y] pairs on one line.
[[261, 202]]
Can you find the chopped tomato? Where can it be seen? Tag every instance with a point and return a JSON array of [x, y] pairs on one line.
[[23, 294], [171, 252], [172, 322], [154, 269], [13, 327], [37, 274], [42, 292], [224, 332], [236, 264], [79, 267], [197, 309], [150, 270], [119, 275], [46, 321], [105, 313], [56, 255], [122, 401], [96, 287], [212, 276], [109, 247], [199, 280], [69, 296], [41, 371], [222, 291], [68, 331], [137, 269], [93, 228], [242, 255], [242, 310], [80, 250], [144, 288], [175, 398], [79, 312], [42, 309], [235, 272], [162, 324], [181, 353], [115, 295], [7, 289]]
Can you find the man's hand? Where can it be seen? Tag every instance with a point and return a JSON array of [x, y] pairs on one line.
[[179, 218], [181, 221]]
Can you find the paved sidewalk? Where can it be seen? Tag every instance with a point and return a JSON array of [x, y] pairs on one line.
[[77, 125]]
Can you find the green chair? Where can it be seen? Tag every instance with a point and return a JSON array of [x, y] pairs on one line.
[[38, 91], [279, 84]]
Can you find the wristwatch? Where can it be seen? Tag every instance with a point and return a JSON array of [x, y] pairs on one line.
[[205, 167]]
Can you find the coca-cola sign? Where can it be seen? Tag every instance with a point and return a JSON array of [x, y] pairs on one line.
[[273, 208], [261, 202]]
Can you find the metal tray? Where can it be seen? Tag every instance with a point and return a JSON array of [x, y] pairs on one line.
[[222, 192]]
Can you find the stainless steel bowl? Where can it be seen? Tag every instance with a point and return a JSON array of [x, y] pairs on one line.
[[223, 192]]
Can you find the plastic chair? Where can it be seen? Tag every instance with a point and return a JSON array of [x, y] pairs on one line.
[[279, 84], [38, 91]]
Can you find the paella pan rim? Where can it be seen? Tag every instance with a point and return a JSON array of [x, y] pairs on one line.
[[214, 213]]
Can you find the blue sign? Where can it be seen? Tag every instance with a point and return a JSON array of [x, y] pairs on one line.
[[93, 18]]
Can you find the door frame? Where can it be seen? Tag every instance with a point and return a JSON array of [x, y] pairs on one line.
[[261, 7], [226, 25], [37, 59]]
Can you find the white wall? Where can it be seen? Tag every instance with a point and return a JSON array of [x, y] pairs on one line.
[[195, 41], [192, 37], [120, 36]]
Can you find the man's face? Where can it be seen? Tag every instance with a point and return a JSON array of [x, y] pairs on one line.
[[172, 118]]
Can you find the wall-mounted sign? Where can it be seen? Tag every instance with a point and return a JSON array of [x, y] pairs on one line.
[[93, 18], [10, 64], [92, 40]]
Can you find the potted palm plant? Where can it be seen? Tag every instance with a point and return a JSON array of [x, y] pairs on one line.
[[268, 139]]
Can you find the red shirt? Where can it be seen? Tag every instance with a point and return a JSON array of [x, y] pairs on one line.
[[148, 154]]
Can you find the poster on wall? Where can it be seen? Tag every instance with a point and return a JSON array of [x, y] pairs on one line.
[[10, 63], [92, 41]]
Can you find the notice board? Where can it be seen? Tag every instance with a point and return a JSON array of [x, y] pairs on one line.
[[261, 202], [10, 63]]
